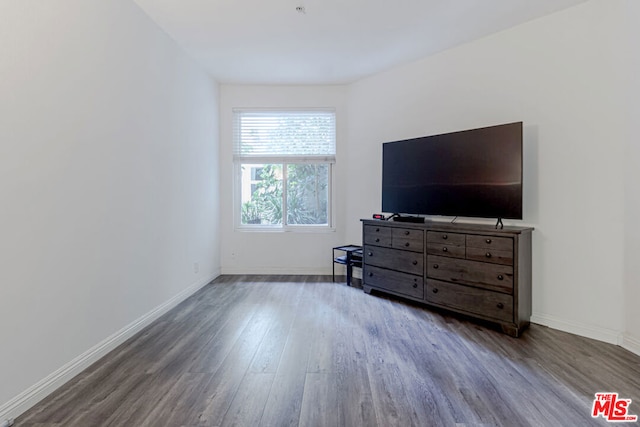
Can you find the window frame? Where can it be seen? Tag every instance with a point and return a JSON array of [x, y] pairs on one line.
[[239, 162]]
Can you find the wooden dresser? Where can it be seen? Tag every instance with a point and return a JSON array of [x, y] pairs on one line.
[[471, 269]]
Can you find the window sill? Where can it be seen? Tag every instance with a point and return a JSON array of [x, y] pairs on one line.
[[289, 229]]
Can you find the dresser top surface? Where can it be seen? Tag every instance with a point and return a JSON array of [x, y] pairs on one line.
[[447, 226]]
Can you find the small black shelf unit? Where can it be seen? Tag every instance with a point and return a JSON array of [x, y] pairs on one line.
[[352, 258]]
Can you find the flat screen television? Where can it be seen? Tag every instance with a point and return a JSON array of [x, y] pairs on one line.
[[471, 173]]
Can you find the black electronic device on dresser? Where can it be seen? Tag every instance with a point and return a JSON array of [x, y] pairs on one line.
[[471, 269]]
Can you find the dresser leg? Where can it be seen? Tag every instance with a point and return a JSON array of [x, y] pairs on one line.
[[366, 288], [511, 330]]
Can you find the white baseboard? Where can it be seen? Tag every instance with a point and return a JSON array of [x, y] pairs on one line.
[[631, 343], [34, 394], [323, 271], [281, 270], [585, 330]]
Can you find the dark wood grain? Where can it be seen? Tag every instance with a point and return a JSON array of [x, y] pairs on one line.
[[407, 239], [490, 255], [439, 237], [445, 249], [377, 235], [475, 301], [490, 242], [481, 274], [405, 261], [395, 281], [301, 350]]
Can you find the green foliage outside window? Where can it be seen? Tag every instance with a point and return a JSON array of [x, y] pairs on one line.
[[307, 195]]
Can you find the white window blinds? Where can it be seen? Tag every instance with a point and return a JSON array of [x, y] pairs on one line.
[[287, 135]]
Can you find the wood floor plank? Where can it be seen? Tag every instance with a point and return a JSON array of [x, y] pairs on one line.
[[302, 350], [353, 391], [249, 401], [272, 346], [141, 402], [320, 401], [355, 400], [322, 334], [209, 359], [285, 398], [390, 397], [182, 403], [228, 377]]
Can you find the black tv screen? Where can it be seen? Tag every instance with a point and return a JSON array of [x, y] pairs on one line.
[[471, 173]]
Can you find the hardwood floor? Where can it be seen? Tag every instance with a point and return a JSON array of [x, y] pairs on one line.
[[301, 350]]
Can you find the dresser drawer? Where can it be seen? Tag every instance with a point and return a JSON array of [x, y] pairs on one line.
[[453, 239], [490, 255], [444, 249], [377, 235], [403, 283], [479, 274], [485, 303], [490, 242], [410, 240], [403, 261]]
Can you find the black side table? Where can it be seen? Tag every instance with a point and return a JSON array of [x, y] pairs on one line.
[[352, 258]]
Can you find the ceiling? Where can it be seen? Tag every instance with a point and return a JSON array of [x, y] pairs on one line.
[[329, 41]]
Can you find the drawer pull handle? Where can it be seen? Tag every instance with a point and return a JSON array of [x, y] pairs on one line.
[[370, 253], [406, 233], [445, 237], [500, 277], [370, 274], [377, 240], [500, 305], [488, 254], [406, 244], [488, 240], [377, 229], [435, 290], [445, 249], [415, 285], [435, 266], [415, 262]]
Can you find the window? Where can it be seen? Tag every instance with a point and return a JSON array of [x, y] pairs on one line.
[[283, 162]]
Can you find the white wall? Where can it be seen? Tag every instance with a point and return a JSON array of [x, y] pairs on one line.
[[246, 252], [559, 76], [632, 178], [108, 181]]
